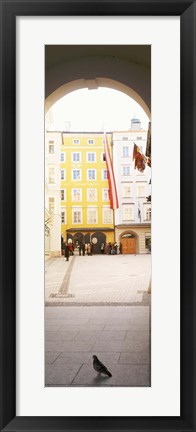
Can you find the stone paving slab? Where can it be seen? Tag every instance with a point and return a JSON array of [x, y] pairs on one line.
[[140, 358], [51, 356], [60, 335], [103, 335], [61, 376], [86, 357], [72, 346], [119, 336], [122, 375]]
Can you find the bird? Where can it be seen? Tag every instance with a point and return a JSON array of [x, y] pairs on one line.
[[99, 367]]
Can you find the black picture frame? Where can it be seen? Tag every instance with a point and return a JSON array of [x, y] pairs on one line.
[[9, 10]]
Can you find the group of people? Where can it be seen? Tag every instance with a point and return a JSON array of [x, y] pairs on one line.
[[109, 248], [84, 249], [87, 249]]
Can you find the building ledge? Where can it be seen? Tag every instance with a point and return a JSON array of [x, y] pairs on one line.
[[131, 225], [89, 229]]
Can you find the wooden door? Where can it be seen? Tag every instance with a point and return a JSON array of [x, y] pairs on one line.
[[128, 245]]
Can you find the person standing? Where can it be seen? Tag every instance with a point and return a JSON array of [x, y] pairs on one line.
[[109, 248], [67, 251], [71, 249], [91, 248], [83, 249], [115, 248], [102, 248]]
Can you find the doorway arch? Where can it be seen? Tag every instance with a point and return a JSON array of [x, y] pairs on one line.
[[129, 242]]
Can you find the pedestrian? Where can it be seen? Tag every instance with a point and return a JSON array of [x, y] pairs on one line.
[[88, 249], [102, 248], [109, 248], [71, 249], [62, 246], [115, 248], [91, 248], [80, 248], [67, 251], [83, 249]]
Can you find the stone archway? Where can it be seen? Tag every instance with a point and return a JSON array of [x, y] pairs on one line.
[[124, 68], [94, 83]]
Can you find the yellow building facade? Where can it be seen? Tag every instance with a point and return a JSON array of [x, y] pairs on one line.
[[85, 208]]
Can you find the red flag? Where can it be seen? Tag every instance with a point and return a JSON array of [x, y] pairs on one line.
[[111, 179], [140, 159]]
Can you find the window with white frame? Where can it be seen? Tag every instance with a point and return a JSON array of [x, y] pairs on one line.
[[126, 190], [63, 195], [125, 151], [91, 157], [92, 215], [63, 157], [63, 215], [128, 213], [76, 157], [107, 215], [125, 138], [76, 194], [76, 141], [91, 174], [51, 147], [147, 213], [105, 194], [141, 190], [91, 194], [104, 174], [51, 175], [51, 203], [76, 216], [126, 170], [76, 174], [63, 174], [90, 141]]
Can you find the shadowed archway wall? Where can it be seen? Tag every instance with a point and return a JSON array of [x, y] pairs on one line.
[[124, 68]]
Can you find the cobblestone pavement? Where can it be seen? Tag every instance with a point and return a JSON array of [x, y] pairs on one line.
[[118, 335], [116, 279]]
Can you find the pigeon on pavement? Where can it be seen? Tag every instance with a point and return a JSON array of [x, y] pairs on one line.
[[99, 367]]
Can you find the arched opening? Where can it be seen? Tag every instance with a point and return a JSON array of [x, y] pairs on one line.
[[95, 84], [75, 68], [129, 242]]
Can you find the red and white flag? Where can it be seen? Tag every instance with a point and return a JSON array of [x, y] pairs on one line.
[[111, 179]]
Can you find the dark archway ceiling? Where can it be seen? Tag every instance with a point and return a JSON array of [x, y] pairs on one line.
[[138, 54]]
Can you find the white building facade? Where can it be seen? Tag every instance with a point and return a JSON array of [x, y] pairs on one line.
[[53, 141], [133, 217]]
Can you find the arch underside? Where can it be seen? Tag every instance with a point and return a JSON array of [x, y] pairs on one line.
[[92, 73]]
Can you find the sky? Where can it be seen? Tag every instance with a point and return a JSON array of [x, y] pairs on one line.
[[96, 110]]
